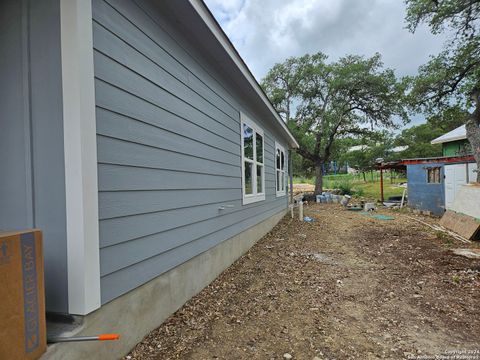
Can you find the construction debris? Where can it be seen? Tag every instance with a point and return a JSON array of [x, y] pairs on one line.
[[468, 253], [442, 229], [464, 225]]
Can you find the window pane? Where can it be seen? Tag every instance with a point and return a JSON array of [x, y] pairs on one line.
[[278, 158], [248, 178], [259, 149], [278, 180], [282, 155], [259, 179], [247, 142], [282, 182], [433, 175]]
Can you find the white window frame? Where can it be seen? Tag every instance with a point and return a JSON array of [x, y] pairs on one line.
[[254, 197], [283, 172]]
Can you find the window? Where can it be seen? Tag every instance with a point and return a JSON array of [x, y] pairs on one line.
[[280, 170], [253, 168], [433, 175]]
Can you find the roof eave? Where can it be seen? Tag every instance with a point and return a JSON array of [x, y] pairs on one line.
[[223, 39], [453, 138]]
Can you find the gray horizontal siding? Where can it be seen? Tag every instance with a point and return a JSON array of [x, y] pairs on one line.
[[168, 138]]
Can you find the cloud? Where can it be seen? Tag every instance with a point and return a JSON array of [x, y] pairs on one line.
[[269, 31]]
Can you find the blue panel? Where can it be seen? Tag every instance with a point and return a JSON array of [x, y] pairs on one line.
[[422, 195]]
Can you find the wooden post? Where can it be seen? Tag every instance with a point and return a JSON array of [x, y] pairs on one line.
[[381, 183]]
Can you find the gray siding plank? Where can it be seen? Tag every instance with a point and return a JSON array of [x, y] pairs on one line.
[[116, 100], [123, 152], [125, 203], [120, 127], [118, 230], [130, 23], [126, 178], [131, 252], [116, 74], [111, 46], [136, 275]]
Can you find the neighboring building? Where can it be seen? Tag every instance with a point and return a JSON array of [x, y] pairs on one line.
[[134, 135], [434, 182], [454, 143]]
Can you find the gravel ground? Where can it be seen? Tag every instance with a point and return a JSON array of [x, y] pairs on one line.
[[343, 287]]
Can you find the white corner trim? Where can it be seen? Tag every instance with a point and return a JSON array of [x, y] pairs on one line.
[[79, 128], [217, 31]]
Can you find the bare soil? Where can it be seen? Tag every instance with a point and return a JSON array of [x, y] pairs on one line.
[[343, 287]]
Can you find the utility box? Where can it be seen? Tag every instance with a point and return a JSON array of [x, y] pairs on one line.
[[22, 299]]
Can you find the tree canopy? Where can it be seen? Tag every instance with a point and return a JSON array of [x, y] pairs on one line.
[[323, 101], [450, 81]]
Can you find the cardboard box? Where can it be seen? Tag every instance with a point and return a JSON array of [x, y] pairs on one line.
[[22, 300]]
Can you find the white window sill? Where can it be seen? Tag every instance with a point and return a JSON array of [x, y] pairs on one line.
[[253, 198]]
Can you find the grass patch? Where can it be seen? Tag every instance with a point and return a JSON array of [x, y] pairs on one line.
[[354, 184]]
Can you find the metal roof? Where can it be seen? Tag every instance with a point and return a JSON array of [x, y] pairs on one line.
[[459, 133]]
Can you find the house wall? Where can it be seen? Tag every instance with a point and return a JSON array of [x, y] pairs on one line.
[[168, 138], [32, 182], [422, 195], [456, 148]]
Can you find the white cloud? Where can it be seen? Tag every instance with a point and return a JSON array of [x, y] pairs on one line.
[[268, 31]]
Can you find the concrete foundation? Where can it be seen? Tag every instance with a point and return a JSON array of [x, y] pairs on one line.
[[142, 310]]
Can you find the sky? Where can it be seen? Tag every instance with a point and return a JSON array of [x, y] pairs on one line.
[[266, 32]]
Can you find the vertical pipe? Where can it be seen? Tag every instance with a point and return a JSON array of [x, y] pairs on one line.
[[381, 182], [300, 210]]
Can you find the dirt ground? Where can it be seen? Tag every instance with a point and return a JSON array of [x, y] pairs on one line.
[[343, 287]]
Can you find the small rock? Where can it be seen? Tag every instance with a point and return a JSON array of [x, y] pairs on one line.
[[287, 356], [128, 357], [339, 282]]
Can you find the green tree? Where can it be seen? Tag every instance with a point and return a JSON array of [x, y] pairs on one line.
[[451, 78], [377, 145], [418, 139], [322, 102], [449, 119]]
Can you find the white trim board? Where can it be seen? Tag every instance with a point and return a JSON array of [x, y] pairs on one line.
[[81, 184]]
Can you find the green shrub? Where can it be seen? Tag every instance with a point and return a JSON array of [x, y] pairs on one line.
[[359, 192], [345, 186]]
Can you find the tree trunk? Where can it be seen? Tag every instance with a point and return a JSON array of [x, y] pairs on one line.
[[318, 178], [473, 136], [473, 131]]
